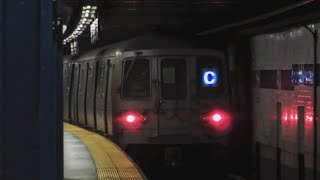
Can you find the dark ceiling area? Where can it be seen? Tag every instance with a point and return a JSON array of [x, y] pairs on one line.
[[122, 19]]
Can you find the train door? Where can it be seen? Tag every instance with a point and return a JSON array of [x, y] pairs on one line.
[[101, 95], [82, 93], [74, 99], [173, 98], [70, 95], [90, 95], [66, 88]]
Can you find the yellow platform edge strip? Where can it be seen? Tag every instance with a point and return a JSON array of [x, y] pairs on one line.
[[110, 161]]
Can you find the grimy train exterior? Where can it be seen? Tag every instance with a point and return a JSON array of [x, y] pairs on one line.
[[152, 95]]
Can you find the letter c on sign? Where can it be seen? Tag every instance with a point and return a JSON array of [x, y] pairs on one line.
[[209, 78]]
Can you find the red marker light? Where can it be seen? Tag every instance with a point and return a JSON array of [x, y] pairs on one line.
[[219, 120], [130, 118], [216, 117]]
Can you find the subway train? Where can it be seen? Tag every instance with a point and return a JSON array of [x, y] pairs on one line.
[[153, 95]]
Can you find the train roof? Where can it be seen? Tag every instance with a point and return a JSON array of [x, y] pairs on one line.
[[143, 42]]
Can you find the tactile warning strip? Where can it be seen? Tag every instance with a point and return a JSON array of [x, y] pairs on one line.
[[111, 162]]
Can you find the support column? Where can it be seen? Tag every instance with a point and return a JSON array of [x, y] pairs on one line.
[[2, 132], [30, 82]]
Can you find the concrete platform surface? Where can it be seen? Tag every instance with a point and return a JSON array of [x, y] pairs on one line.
[[78, 164]]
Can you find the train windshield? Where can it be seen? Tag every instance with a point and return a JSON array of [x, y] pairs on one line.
[[210, 77], [136, 79]]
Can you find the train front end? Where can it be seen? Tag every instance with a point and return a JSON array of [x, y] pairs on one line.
[[172, 106]]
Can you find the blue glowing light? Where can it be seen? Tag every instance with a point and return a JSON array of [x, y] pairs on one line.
[[209, 78]]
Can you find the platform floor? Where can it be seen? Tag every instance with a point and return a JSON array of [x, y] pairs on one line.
[[95, 157], [78, 163]]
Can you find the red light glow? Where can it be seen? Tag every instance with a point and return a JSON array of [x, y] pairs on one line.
[[216, 117], [309, 118], [130, 118], [219, 120]]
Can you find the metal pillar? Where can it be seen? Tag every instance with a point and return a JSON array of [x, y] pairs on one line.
[[315, 96], [279, 117], [300, 140], [2, 132], [30, 83], [315, 107]]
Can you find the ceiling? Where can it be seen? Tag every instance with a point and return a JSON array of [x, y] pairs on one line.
[[121, 19]]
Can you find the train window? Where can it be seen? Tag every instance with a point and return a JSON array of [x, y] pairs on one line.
[[302, 74], [209, 77], [286, 80], [173, 76], [136, 79], [169, 75], [268, 79]]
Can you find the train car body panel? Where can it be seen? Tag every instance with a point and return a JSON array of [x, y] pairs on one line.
[[134, 97], [67, 69], [74, 96], [102, 95], [82, 94], [90, 97]]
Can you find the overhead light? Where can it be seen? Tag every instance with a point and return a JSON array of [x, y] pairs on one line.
[[88, 15], [64, 28]]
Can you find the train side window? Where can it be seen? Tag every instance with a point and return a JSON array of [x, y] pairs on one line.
[[136, 79], [173, 79]]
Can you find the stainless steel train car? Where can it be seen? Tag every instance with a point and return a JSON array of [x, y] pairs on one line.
[[283, 101], [151, 93]]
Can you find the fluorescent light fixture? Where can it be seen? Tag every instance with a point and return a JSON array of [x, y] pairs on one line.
[[87, 16]]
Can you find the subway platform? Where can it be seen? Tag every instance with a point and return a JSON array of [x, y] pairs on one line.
[[89, 156]]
